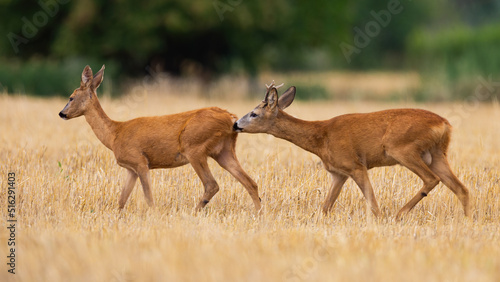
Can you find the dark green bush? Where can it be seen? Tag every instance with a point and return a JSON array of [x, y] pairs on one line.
[[306, 92], [48, 78], [456, 59]]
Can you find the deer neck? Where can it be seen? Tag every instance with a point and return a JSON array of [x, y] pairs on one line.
[[306, 134], [103, 127]]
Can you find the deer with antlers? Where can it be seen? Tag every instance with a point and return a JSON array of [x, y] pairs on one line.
[[349, 145], [165, 141]]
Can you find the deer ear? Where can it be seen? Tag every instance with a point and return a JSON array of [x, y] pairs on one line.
[[98, 77], [286, 98], [272, 98], [86, 77]]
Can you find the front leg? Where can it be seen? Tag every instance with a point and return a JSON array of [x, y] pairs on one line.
[[143, 171], [360, 176], [127, 188], [338, 181], [137, 166]]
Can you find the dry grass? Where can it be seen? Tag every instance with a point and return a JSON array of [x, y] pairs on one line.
[[70, 228]]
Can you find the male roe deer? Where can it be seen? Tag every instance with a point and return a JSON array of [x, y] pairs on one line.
[[166, 141], [349, 145]]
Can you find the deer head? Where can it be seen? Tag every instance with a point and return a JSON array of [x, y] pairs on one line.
[[262, 117], [82, 97]]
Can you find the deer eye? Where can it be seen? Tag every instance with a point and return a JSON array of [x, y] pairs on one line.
[[252, 114], [70, 99]]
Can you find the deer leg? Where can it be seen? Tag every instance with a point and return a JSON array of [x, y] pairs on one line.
[[441, 167], [228, 161], [414, 162], [337, 183], [200, 166], [143, 171], [127, 188], [360, 176]]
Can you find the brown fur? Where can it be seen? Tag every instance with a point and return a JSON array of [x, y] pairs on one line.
[[349, 145], [166, 141]]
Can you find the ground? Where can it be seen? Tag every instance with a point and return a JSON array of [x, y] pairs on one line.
[[69, 227]]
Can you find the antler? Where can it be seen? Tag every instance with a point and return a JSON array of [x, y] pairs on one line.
[[269, 87], [273, 85]]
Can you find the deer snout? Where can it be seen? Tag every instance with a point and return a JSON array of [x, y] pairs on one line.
[[63, 116], [237, 128]]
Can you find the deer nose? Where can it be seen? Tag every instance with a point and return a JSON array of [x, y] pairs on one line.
[[236, 127], [64, 116]]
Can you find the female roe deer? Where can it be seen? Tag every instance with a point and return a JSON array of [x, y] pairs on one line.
[[166, 141], [349, 145]]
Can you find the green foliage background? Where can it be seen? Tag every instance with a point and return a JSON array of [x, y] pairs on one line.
[[46, 43]]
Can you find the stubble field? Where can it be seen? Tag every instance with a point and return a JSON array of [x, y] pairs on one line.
[[70, 229]]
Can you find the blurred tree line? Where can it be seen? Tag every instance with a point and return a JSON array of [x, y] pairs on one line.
[[47, 42]]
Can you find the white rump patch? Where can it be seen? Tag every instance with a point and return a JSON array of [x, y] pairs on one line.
[[426, 157], [233, 118]]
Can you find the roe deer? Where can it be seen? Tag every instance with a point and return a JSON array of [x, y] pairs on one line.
[[166, 141], [349, 145]]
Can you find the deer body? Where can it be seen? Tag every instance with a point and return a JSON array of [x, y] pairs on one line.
[[349, 145], [367, 138], [187, 132], [166, 141]]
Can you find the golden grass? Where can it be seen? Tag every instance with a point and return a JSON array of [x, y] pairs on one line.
[[70, 229]]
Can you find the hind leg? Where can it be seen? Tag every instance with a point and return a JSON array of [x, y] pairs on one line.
[[227, 160], [412, 159], [201, 168], [441, 167]]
